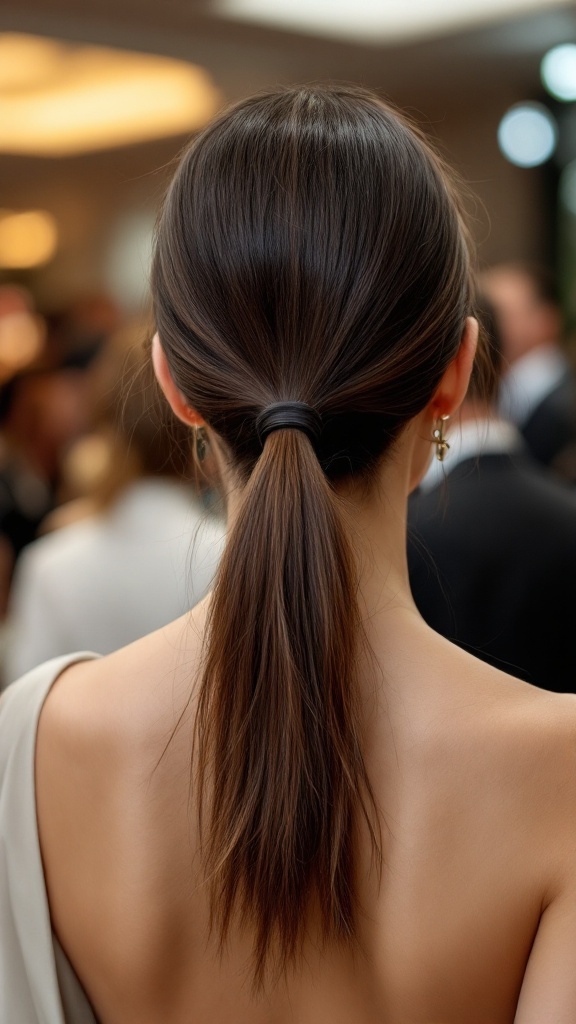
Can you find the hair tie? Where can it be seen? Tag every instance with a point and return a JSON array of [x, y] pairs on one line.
[[289, 415]]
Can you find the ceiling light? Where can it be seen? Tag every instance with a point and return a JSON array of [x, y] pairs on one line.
[[58, 100], [376, 21], [27, 62], [27, 239], [527, 134], [558, 71]]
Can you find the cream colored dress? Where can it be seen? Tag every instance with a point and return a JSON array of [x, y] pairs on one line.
[[37, 983]]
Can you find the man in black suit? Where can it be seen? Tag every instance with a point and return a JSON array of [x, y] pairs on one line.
[[538, 391], [492, 551]]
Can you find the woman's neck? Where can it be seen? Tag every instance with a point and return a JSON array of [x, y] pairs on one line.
[[376, 525]]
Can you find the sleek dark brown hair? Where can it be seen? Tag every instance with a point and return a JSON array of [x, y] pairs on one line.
[[311, 249]]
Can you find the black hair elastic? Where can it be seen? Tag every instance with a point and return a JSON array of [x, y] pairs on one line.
[[289, 415]]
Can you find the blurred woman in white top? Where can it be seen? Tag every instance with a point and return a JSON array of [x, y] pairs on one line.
[[146, 547]]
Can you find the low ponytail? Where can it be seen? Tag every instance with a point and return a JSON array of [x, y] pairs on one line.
[[310, 249], [278, 719]]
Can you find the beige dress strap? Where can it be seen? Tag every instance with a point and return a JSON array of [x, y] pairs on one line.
[[37, 983]]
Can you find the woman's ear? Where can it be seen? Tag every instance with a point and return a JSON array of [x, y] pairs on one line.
[[171, 392], [452, 389]]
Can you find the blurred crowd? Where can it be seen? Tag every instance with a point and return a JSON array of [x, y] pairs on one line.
[[109, 530], [492, 529]]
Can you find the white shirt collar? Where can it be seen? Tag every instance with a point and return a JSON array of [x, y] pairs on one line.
[[529, 380], [470, 439]]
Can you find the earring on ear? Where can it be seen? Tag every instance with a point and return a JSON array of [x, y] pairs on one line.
[[440, 441], [201, 443]]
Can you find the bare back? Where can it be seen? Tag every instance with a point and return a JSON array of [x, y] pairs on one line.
[[475, 776]]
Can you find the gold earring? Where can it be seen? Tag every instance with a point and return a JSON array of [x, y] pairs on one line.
[[201, 442], [440, 441]]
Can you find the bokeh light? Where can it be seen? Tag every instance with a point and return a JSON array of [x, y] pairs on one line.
[[558, 70], [22, 338], [527, 134], [27, 239]]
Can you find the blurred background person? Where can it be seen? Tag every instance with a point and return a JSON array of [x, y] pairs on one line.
[[139, 545], [42, 413], [43, 410], [492, 545], [538, 388]]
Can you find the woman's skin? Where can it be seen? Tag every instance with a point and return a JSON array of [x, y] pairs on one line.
[[474, 772]]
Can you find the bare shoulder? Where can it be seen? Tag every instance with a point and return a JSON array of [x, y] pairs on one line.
[[541, 722], [99, 796], [131, 695], [549, 723], [530, 740], [509, 745], [103, 730], [524, 738], [472, 703], [549, 986]]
